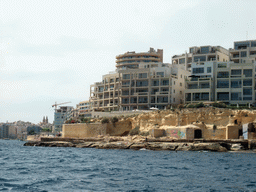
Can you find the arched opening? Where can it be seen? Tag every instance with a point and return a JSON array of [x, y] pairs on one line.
[[198, 134], [235, 122]]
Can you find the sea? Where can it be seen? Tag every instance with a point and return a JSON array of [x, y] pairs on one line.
[[86, 169]]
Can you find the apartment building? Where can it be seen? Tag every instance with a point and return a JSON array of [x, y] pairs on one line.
[[60, 116], [152, 85], [4, 131], [242, 51], [201, 54], [104, 95], [229, 82], [132, 59]]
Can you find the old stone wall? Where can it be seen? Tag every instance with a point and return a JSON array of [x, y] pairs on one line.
[[176, 133], [232, 131], [83, 130], [219, 133]]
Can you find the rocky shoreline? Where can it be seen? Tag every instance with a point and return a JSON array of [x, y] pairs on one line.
[[148, 143]]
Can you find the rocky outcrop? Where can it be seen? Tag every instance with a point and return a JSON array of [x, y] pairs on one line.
[[149, 144]]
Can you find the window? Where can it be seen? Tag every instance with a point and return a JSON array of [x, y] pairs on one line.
[[155, 83], [236, 96], [204, 49], [199, 58], [141, 83], [174, 82], [191, 50], [205, 96], [209, 69], [198, 70], [181, 92], [222, 65], [180, 76], [236, 72], [160, 74], [126, 76], [173, 90], [222, 84], [243, 54], [142, 75], [248, 72], [253, 44], [173, 99], [242, 45], [180, 84], [165, 82], [223, 74], [222, 96], [236, 83], [181, 61], [247, 91], [247, 82]]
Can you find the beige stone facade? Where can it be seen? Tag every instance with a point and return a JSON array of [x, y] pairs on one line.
[[83, 130]]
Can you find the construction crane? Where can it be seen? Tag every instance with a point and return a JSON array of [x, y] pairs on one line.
[[59, 104]]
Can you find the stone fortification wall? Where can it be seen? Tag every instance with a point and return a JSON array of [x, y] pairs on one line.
[[83, 130], [173, 122], [207, 116], [219, 133]]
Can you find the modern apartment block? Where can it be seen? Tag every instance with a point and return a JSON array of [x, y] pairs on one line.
[[60, 116], [141, 81], [152, 85], [201, 54], [104, 95], [229, 82], [242, 51], [131, 60]]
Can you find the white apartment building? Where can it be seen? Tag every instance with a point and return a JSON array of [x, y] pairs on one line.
[[229, 82], [243, 50], [201, 54], [149, 84], [152, 85]]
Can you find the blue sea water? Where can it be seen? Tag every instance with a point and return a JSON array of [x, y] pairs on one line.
[[83, 169]]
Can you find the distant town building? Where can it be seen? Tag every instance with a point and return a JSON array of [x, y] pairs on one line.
[[4, 131], [33, 129]]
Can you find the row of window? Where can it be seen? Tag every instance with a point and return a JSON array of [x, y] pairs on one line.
[[140, 75], [234, 72]]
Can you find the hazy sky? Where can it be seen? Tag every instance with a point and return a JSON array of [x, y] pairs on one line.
[[54, 50]]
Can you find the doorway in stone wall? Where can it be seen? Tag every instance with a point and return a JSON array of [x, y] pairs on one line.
[[198, 134]]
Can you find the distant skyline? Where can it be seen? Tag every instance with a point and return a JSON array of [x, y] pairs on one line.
[[54, 50]]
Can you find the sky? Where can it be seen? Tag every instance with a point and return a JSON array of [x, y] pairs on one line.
[[53, 50]]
